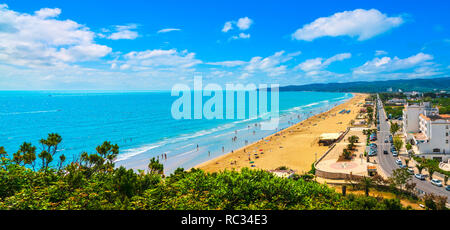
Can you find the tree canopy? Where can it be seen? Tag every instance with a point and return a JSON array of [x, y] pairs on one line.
[[92, 182]]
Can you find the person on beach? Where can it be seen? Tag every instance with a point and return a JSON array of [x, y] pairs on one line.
[[209, 153], [197, 147], [223, 149]]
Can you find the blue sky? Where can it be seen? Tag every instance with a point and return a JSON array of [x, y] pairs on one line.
[[152, 45]]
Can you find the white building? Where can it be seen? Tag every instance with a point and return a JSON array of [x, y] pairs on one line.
[[411, 116], [396, 101], [429, 130]]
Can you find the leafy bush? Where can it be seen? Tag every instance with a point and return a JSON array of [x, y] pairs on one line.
[[94, 183]]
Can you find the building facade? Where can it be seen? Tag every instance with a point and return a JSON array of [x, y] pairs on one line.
[[429, 130]]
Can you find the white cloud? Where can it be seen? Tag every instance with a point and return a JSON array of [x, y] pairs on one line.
[[241, 36], [48, 13], [380, 52], [159, 60], [360, 23], [270, 65], [124, 32], [244, 23], [317, 64], [39, 39], [168, 30], [227, 27], [227, 63], [387, 64]]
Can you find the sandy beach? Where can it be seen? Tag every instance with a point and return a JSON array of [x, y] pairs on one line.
[[295, 147]]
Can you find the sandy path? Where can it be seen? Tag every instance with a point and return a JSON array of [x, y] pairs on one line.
[[294, 147]]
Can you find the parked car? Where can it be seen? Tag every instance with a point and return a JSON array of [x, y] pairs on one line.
[[394, 153], [420, 176], [411, 171], [436, 182], [447, 187], [398, 162]]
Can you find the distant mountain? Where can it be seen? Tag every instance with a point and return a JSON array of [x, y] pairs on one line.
[[422, 85]]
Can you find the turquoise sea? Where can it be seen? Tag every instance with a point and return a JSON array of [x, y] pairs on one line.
[[140, 123]]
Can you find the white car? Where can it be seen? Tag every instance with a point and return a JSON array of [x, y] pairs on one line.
[[436, 182], [411, 171], [398, 161], [420, 176]]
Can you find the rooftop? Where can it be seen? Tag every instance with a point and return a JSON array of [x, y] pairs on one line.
[[330, 136], [436, 117], [420, 136]]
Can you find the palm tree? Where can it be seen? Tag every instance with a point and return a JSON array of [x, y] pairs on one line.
[[394, 128], [353, 139], [398, 143], [406, 162], [155, 167], [347, 154], [420, 168], [366, 183], [431, 172], [445, 179], [408, 146]]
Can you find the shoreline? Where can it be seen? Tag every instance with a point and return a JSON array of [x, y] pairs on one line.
[[241, 157]]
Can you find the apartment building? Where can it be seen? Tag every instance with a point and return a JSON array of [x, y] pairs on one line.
[[428, 129]]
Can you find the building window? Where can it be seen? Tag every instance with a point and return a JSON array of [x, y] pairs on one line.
[[436, 150]]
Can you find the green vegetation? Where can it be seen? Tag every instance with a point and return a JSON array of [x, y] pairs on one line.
[[400, 178], [431, 165], [443, 104], [368, 132], [398, 143], [388, 96], [399, 184], [347, 152], [93, 182], [433, 202], [395, 127], [394, 111], [370, 117], [421, 85]]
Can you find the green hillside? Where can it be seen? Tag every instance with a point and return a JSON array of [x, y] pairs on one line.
[[422, 85]]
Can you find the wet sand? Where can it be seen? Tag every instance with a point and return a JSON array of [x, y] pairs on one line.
[[295, 147]]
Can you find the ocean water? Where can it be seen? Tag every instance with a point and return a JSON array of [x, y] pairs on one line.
[[140, 123]]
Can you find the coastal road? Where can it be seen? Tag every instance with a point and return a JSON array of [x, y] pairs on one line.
[[387, 162]]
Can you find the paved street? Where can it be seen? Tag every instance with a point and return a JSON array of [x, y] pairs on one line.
[[387, 162]]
